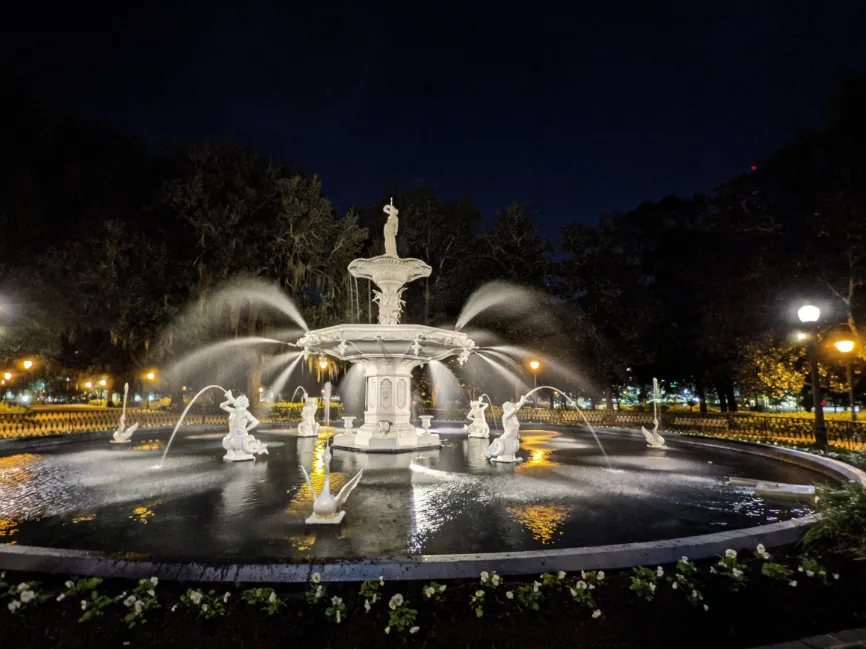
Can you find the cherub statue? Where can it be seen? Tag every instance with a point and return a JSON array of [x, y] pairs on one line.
[[239, 444], [478, 427], [504, 448], [308, 426], [391, 226]]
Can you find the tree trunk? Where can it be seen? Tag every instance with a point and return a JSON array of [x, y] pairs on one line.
[[176, 395], [732, 400], [608, 397], [702, 395], [723, 399]]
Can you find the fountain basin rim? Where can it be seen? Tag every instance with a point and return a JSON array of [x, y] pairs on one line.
[[448, 566]]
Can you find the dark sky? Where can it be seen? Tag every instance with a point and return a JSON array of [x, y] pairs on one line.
[[581, 112]]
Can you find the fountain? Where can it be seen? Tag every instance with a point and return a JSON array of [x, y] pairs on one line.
[[388, 351], [326, 506], [239, 444], [478, 427], [123, 434], [503, 448], [653, 439]]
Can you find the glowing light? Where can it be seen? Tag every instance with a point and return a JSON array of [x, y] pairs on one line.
[[754, 167], [88, 385], [844, 346], [534, 365], [8, 376], [150, 376], [103, 382], [27, 364], [323, 363], [808, 313], [261, 390], [801, 335]]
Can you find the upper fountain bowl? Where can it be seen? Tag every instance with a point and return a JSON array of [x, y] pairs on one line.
[[387, 269], [404, 342]]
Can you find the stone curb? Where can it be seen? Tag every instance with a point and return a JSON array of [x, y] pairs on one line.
[[848, 639]]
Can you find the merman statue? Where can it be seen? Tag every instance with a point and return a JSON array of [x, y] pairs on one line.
[[308, 426], [239, 444], [478, 426], [504, 448]]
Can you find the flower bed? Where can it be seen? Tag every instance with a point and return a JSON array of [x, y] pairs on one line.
[[731, 601]]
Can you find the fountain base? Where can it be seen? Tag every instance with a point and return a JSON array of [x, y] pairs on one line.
[[121, 441], [399, 439], [509, 458], [306, 432], [238, 456], [336, 519]]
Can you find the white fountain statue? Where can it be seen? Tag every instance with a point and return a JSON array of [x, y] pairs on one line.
[[478, 427], [123, 434], [503, 448], [239, 444], [309, 427], [653, 439], [326, 506], [388, 351]]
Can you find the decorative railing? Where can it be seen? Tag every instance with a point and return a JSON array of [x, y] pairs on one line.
[[791, 430], [39, 423]]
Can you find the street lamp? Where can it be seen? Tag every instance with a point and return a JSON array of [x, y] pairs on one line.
[[846, 347], [27, 364], [323, 363], [534, 365], [88, 385], [7, 376], [809, 314]]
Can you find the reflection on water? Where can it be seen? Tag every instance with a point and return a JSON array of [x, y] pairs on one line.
[[544, 521], [84, 495]]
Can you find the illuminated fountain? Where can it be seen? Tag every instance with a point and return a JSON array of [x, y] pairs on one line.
[[653, 439], [388, 351], [123, 435]]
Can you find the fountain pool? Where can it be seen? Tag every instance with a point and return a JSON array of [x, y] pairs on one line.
[[90, 496]]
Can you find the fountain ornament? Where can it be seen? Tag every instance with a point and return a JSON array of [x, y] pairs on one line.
[[123, 434], [326, 506], [653, 439], [388, 352], [239, 444], [503, 448], [478, 427], [308, 426]]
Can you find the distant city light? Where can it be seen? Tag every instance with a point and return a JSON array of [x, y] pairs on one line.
[[7, 376], [28, 364], [150, 376], [88, 385], [103, 382]]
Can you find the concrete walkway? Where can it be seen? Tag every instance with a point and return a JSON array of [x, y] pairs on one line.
[[851, 639]]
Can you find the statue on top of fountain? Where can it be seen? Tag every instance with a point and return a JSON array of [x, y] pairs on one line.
[[504, 448], [391, 226], [239, 444], [478, 427], [309, 427]]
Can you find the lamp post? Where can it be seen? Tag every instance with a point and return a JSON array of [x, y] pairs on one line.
[[809, 314], [534, 365], [846, 347], [150, 376]]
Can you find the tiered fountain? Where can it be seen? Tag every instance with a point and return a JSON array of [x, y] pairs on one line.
[[388, 351]]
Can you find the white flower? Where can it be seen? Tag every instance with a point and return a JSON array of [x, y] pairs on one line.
[[414, 629], [129, 601], [596, 614], [592, 586], [442, 588], [84, 605], [731, 554], [706, 608], [494, 580], [684, 559], [800, 569], [204, 607], [561, 574], [14, 605], [375, 598], [22, 586], [336, 601], [337, 616], [809, 573], [316, 578], [319, 591], [382, 582], [195, 597], [396, 602], [674, 585], [600, 575], [652, 587], [272, 597], [760, 549], [151, 592], [793, 584], [736, 572], [429, 591], [573, 592], [387, 630], [822, 572], [835, 575], [154, 580], [660, 572], [484, 577], [69, 584], [174, 608], [61, 597], [580, 585], [367, 605], [535, 586], [27, 596], [226, 596], [582, 574], [139, 605], [509, 595], [712, 570], [479, 593]]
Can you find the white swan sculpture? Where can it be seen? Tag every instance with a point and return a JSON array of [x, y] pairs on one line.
[[326, 506]]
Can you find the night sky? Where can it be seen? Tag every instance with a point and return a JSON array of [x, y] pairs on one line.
[[580, 113]]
